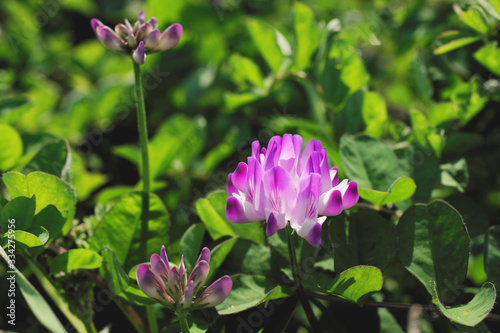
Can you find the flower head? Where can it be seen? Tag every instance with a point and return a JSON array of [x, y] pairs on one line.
[[139, 39], [283, 184], [172, 287]]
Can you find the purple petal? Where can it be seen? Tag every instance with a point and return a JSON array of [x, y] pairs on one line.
[[163, 256], [239, 177], [351, 195], [153, 21], [143, 31], [288, 154], [306, 206], [122, 31], [230, 188], [331, 203], [334, 176], [199, 274], [204, 255], [95, 23], [141, 17], [139, 55], [151, 285], [326, 182], [187, 298], [169, 38], [235, 212], [129, 27], [311, 232], [216, 293], [151, 39], [159, 268], [305, 155], [173, 284], [256, 150], [279, 189], [182, 274], [271, 225], [110, 39], [255, 173]]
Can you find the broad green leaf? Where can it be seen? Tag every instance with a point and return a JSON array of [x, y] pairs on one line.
[[11, 109], [374, 114], [249, 291], [436, 142], [271, 44], [53, 158], [452, 40], [459, 143], [245, 69], [429, 235], [11, 147], [496, 5], [218, 255], [421, 127], [368, 161], [134, 295], [455, 174], [475, 311], [23, 239], [474, 216], [48, 189], [402, 189], [248, 257], [223, 150], [190, 245], [492, 254], [307, 35], [113, 272], [234, 101], [212, 210], [357, 283], [489, 56], [51, 219], [474, 18], [121, 229], [470, 97], [365, 239], [75, 259], [40, 308], [84, 181], [18, 212]]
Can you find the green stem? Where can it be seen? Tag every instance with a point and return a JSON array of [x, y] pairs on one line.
[[296, 279], [184, 323], [151, 313], [143, 141]]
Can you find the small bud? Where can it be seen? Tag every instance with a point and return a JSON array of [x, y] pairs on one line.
[[139, 55], [215, 294], [187, 298], [152, 286], [169, 38]]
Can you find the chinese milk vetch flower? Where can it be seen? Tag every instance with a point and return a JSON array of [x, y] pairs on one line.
[[171, 286], [282, 184], [137, 40]]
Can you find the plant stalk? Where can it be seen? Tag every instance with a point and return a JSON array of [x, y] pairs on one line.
[[151, 313], [143, 141], [184, 323], [296, 279]]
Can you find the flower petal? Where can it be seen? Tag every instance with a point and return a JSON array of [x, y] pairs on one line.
[[139, 55], [122, 31], [235, 212], [163, 256], [271, 225], [199, 274], [151, 39], [331, 203], [204, 255], [159, 268], [153, 21], [169, 38], [95, 23], [215, 294], [110, 39], [151, 285], [239, 176], [141, 17], [187, 299], [351, 195], [311, 232]]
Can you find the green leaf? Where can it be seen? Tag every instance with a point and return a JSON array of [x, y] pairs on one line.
[[40, 308], [245, 69], [365, 239], [75, 259], [223, 149], [428, 236], [455, 174], [452, 40], [218, 255], [474, 216], [357, 283], [134, 295], [51, 219], [271, 44], [11, 109], [113, 272], [307, 35], [474, 18], [489, 56], [492, 254], [248, 257], [496, 5], [368, 161], [20, 210], [212, 210], [249, 291], [190, 244], [374, 114], [53, 158], [23, 239], [121, 229], [48, 189], [402, 189], [11, 147], [475, 311], [234, 101]]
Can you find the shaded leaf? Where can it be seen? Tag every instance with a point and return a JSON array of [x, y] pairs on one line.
[[75, 259], [402, 189]]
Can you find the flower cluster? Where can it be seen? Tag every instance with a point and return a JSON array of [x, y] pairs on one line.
[[283, 184], [172, 287], [138, 39]]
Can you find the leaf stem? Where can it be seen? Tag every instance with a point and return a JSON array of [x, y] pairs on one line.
[[151, 313], [143, 141], [296, 279], [184, 323]]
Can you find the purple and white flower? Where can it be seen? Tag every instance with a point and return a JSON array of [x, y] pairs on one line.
[[137, 40], [171, 286], [285, 185]]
